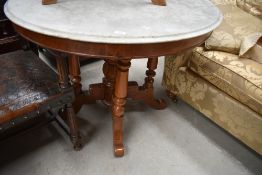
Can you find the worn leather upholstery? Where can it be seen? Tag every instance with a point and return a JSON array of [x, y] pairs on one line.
[[27, 86], [9, 39]]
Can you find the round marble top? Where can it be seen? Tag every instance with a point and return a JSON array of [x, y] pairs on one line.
[[116, 21]]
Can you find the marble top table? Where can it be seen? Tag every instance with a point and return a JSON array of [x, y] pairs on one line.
[[115, 31], [116, 21]]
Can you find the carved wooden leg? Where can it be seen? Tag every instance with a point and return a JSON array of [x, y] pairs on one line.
[[109, 70], [119, 100], [47, 2], [149, 85], [103, 91], [150, 73], [74, 134], [75, 78]]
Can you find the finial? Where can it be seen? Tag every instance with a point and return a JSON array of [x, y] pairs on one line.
[[47, 2], [159, 2]]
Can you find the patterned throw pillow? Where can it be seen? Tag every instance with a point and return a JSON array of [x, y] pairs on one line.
[[253, 7], [255, 3], [251, 47], [237, 24]]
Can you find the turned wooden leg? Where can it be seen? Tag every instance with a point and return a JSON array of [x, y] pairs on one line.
[[149, 85], [159, 2], [74, 73], [103, 91], [74, 134], [119, 100], [75, 78], [47, 2], [109, 70], [150, 73]]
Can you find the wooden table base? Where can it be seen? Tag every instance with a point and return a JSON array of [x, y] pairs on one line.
[[114, 91], [115, 88]]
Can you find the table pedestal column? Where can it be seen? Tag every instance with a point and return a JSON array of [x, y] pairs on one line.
[[103, 91], [114, 90]]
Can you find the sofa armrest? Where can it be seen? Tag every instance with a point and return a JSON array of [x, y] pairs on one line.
[[172, 66]]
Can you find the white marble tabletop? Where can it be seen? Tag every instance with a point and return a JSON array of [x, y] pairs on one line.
[[116, 21]]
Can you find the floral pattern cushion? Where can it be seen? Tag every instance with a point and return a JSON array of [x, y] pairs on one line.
[[228, 36], [236, 118], [240, 78]]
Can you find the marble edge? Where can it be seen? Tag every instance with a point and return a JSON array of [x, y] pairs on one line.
[[113, 40]]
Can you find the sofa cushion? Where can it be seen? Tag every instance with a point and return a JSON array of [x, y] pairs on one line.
[[240, 78], [228, 36]]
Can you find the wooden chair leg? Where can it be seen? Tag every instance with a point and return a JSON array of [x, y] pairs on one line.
[[74, 134], [70, 113], [119, 100]]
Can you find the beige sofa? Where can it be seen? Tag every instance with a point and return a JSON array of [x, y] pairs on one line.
[[219, 82]]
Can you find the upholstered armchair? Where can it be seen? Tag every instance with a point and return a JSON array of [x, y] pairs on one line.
[[223, 78]]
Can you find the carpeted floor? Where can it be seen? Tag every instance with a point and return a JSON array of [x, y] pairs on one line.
[[177, 140]]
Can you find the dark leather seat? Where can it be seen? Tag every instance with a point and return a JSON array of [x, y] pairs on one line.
[[28, 88]]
